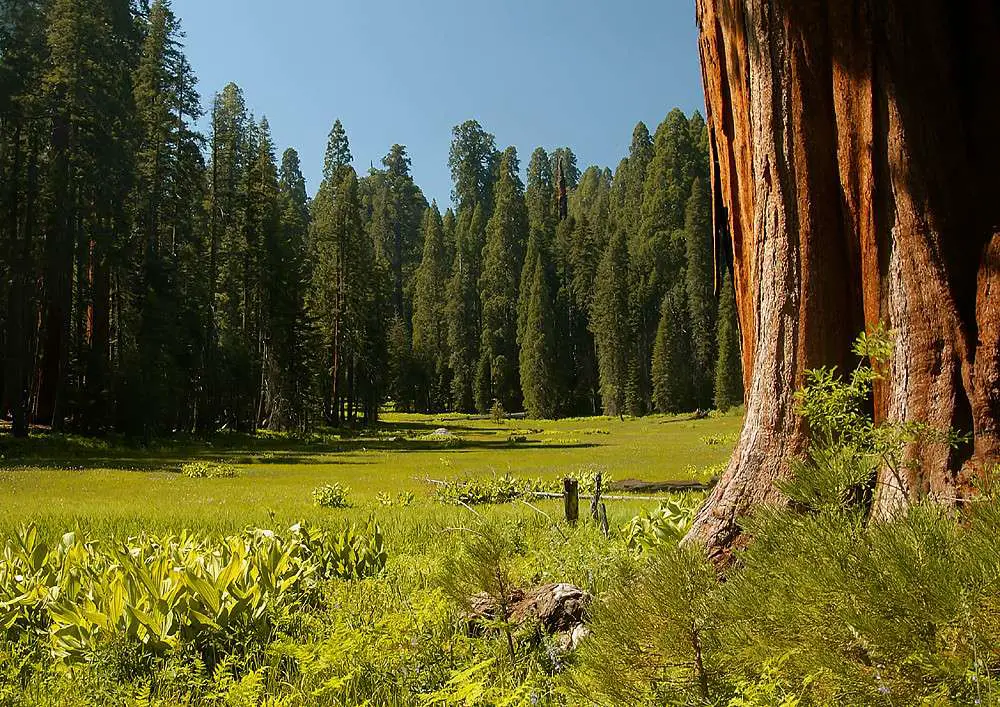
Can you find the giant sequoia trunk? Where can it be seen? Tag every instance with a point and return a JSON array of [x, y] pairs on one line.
[[856, 167]]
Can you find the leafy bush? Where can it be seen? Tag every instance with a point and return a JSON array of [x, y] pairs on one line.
[[667, 525], [331, 496], [476, 492], [506, 488], [654, 638], [161, 593], [209, 470], [497, 414], [586, 477], [401, 500]]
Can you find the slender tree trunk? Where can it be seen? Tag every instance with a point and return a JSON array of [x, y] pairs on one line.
[[854, 168], [18, 226]]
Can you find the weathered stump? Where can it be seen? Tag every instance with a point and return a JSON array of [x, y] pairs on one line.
[[559, 610]]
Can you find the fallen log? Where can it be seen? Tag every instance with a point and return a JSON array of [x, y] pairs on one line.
[[557, 609], [637, 486]]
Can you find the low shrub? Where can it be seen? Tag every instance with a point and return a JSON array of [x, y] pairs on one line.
[[209, 470], [476, 492], [401, 499], [160, 594], [331, 496], [667, 525]]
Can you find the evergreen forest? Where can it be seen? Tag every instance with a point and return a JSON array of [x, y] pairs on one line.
[[155, 279]]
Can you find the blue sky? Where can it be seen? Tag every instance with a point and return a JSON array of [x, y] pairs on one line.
[[533, 72]]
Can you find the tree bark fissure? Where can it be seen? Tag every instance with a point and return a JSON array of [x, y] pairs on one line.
[[853, 164]]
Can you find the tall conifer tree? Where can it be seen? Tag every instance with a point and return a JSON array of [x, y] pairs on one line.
[[700, 283], [506, 232], [672, 384], [609, 322], [538, 348], [430, 321]]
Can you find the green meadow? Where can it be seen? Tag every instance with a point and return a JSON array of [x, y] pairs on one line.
[[59, 481], [229, 603]]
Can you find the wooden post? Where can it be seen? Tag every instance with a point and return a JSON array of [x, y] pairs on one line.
[[571, 500], [604, 521], [595, 502]]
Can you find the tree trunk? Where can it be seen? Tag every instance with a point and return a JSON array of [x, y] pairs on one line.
[[855, 170]]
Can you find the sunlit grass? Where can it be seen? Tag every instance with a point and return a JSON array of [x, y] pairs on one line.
[[115, 488]]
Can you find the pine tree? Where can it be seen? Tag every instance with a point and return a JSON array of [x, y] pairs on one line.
[[539, 199], [538, 348], [331, 249], [497, 377], [289, 334], [563, 157], [157, 382], [592, 198], [657, 248], [630, 180], [430, 322], [400, 207], [449, 223], [402, 376], [578, 252], [338, 153], [22, 141], [473, 161], [262, 277], [88, 90], [610, 324], [228, 378], [672, 359], [700, 276], [729, 367], [464, 321]]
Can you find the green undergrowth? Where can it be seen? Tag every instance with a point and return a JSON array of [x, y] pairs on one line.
[[822, 606]]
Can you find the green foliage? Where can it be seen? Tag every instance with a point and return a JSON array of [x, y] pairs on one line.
[[476, 491], [160, 594], [538, 349], [655, 639], [503, 252], [849, 446], [331, 496], [498, 414], [674, 370], [700, 273], [209, 470], [610, 323], [402, 499], [666, 525], [430, 324], [463, 308], [353, 553], [823, 606]]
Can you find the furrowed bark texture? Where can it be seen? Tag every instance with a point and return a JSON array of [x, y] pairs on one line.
[[854, 165]]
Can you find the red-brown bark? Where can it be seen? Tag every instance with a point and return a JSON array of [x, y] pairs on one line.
[[855, 170]]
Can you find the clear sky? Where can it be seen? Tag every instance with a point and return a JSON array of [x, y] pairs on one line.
[[533, 72]]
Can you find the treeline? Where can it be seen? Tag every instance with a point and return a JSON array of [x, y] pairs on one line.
[[154, 279]]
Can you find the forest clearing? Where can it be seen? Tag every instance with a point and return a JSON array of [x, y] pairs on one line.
[[59, 481], [502, 355]]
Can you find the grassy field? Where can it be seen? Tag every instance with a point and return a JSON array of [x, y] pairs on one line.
[[393, 637], [111, 486]]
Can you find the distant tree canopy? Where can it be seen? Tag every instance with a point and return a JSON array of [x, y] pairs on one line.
[[154, 279]]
